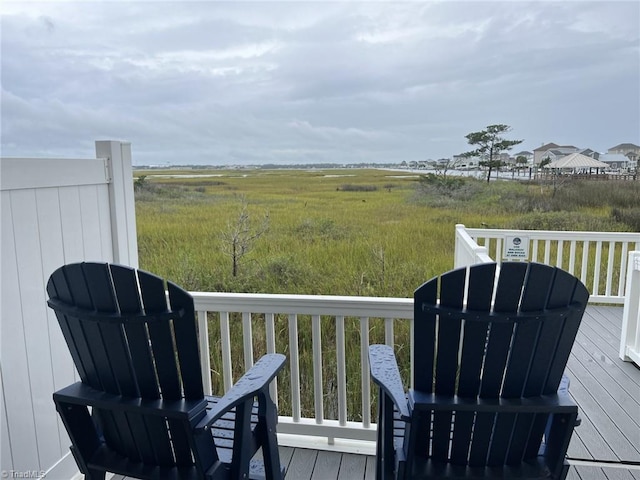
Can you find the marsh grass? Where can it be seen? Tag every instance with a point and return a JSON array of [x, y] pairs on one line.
[[384, 235]]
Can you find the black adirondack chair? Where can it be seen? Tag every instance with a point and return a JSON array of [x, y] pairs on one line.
[[491, 346], [138, 360]]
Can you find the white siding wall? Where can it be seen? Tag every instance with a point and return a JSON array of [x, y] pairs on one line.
[[54, 211]]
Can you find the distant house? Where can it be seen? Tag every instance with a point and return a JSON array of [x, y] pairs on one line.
[[590, 153], [616, 161], [553, 151], [555, 154], [526, 154], [629, 150], [463, 161], [503, 157]]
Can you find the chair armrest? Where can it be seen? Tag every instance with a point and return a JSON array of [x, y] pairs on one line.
[[385, 374], [84, 395], [248, 386], [556, 403]]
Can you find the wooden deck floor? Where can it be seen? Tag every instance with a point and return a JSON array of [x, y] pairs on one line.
[[606, 389]]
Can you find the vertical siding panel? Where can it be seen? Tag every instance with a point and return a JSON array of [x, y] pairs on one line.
[[105, 223], [20, 421], [70, 217], [90, 221], [34, 318], [6, 458], [52, 253]]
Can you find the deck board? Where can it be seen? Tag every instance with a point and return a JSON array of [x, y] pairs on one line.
[[606, 389], [352, 466], [302, 463], [327, 465]]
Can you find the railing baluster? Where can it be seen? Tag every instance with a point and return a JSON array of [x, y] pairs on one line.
[[366, 381], [547, 251], [225, 343], [559, 254], [294, 367], [342, 371], [205, 359], [247, 340], [585, 262], [270, 332], [612, 251], [596, 269], [623, 269], [388, 332], [316, 339], [534, 256], [572, 257]]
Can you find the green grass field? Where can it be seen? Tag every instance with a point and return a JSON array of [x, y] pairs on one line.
[[344, 232]]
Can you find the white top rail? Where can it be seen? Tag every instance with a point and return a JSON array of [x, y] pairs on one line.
[[305, 304]]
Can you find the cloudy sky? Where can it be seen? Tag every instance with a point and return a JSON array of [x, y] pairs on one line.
[[301, 82]]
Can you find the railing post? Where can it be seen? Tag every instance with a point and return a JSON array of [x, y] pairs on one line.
[[457, 253], [630, 336], [121, 200], [467, 251]]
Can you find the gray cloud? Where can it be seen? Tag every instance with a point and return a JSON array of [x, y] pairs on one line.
[[284, 82]]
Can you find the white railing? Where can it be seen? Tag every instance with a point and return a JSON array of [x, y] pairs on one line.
[[630, 337], [599, 259], [288, 320]]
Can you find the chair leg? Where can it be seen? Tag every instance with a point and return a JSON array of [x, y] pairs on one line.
[[269, 441], [241, 456], [385, 451], [93, 474]]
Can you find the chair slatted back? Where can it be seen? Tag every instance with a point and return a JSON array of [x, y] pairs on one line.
[[126, 340], [493, 333]]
